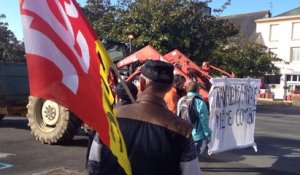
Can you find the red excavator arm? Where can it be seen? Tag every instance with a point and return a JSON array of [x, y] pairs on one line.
[[202, 75], [149, 52], [186, 65], [141, 56]]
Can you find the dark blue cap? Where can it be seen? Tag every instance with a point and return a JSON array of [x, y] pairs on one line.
[[158, 71]]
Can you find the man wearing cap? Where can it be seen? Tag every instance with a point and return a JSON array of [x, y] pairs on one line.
[[157, 142]]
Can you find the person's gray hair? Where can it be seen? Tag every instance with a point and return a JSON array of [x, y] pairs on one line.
[[192, 86], [156, 86]]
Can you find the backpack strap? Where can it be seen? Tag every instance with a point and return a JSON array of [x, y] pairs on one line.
[[182, 100], [184, 97], [195, 108]]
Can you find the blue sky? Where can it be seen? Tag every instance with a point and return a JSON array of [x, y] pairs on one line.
[[11, 9]]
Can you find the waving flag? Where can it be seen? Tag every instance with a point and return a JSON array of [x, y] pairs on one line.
[[67, 64]]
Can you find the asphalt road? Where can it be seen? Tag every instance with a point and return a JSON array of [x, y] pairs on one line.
[[23, 155], [276, 135]]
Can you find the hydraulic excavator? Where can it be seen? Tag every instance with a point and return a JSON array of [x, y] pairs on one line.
[[182, 65]]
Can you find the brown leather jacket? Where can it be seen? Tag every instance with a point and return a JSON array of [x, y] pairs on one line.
[[153, 109], [157, 141]]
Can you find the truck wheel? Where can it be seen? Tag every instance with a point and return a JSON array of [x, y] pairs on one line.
[[51, 123]]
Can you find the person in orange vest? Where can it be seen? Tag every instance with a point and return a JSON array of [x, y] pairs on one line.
[[175, 93]]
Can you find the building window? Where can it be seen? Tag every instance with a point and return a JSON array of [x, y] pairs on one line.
[[272, 79], [294, 78], [288, 78], [295, 54], [274, 32], [296, 31]]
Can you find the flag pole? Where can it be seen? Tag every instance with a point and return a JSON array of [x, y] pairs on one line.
[[114, 68]]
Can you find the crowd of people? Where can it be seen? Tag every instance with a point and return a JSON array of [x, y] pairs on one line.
[[158, 139]]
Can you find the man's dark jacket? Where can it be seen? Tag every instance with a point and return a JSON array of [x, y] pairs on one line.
[[156, 140]]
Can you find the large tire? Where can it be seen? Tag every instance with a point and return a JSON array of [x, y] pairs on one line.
[[51, 123]]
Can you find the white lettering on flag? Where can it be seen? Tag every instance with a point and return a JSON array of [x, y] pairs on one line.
[[66, 34]]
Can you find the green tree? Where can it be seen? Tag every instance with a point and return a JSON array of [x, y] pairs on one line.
[[166, 25], [174, 24], [102, 15], [11, 50], [244, 59], [182, 25]]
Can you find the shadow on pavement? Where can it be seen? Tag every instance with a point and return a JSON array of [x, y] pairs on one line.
[[14, 122], [78, 141], [285, 152], [257, 171], [265, 109]]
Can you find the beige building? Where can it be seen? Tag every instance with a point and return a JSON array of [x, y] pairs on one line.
[[281, 34]]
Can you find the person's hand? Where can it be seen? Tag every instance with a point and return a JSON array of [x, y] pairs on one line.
[[207, 141]]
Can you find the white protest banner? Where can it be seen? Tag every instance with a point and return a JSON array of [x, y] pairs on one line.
[[232, 104]]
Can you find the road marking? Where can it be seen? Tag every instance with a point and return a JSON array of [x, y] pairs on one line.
[[58, 171], [4, 155], [5, 165]]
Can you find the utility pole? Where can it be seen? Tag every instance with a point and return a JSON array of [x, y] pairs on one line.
[[271, 7]]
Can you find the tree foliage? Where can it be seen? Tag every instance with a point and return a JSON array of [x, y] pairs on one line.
[[102, 15], [166, 25], [182, 25], [244, 59], [11, 50]]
